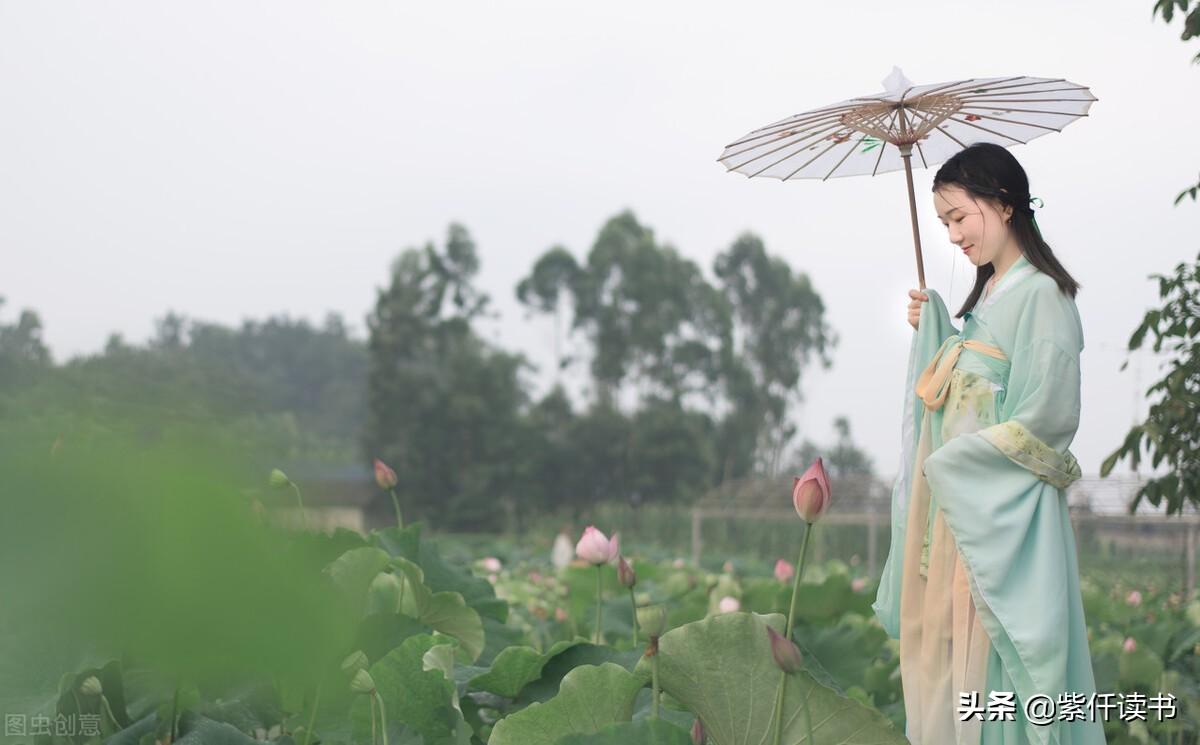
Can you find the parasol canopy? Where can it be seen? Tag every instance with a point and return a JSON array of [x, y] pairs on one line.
[[880, 133]]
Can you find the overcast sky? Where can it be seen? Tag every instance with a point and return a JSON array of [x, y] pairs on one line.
[[241, 159]]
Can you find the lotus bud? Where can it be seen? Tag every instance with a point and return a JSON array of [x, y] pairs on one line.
[[810, 492], [858, 584], [729, 604], [492, 565], [625, 574], [91, 686], [362, 682], [596, 548], [384, 476], [1130, 644], [1134, 598], [354, 662], [278, 479], [652, 619], [383, 596], [785, 652], [784, 570], [560, 615], [698, 737]]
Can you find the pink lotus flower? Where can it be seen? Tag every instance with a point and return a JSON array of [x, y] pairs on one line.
[[384, 476], [810, 492], [1129, 645], [560, 615], [784, 570], [858, 584], [491, 564], [596, 548], [729, 605], [1134, 598]]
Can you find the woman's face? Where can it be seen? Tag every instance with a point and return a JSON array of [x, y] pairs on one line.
[[974, 225]]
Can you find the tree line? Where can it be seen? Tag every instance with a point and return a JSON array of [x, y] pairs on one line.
[[691, 379]]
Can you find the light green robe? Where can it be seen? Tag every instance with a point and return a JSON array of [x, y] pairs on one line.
[[990, 468]]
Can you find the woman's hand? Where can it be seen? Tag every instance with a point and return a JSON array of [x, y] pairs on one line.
[[914, 307]]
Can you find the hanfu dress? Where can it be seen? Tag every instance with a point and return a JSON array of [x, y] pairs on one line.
[[981, 584]]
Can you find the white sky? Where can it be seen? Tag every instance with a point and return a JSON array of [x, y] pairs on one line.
[[240, 159]]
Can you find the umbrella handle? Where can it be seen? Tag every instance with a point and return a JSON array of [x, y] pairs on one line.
[[906, 154]]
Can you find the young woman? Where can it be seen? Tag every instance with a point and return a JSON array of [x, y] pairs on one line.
[[981, 585]]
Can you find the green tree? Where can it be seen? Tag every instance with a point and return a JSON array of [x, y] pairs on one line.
[[648, 314], [779, 328], [843, 459], [1171, 432], [1191, 29], [445, 409], [21, 345]]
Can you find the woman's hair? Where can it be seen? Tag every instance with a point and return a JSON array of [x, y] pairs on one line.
[[989, 171]]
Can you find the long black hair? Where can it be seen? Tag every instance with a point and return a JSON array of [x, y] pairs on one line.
[[989, 171]]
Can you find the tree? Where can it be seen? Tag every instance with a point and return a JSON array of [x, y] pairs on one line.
[[1171, 432], [648, 314], [1191, 29], [444, 407], [779, 327], [843, 459], [21, 343]]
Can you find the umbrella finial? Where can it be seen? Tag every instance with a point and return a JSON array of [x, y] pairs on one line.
[[896, 82]]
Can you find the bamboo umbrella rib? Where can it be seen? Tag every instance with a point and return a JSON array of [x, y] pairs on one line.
[[801, 131], [1017, 121], [803, 143], [849, 152], [941, 88], [882, 147], [988, 93], [1023, 96], [990, 131], [876, 123], [1026, 111], [1027, 100], [879, 160], [929, 123], [944, 131], [967, 86], [810, 160], [747, 144], [799, 144], [792, 122]]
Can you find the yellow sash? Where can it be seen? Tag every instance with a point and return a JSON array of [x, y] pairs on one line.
[[932, 385]]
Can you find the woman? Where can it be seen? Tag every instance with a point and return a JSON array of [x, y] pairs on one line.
[[981, 586]]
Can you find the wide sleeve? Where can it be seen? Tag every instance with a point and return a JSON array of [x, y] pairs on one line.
[[934, 327]]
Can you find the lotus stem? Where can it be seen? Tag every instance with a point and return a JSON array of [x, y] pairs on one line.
[[796, 583], [374, 737], [656, 692], [312, 717], [791, 618], [396, 504], [633, 606], [599, 636], [109, 713], [382, 718], [300, 502]]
